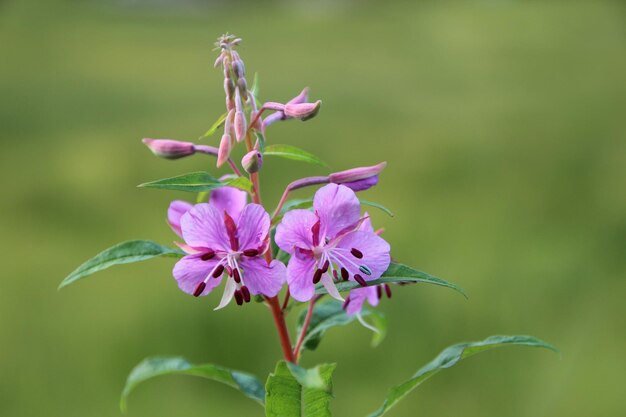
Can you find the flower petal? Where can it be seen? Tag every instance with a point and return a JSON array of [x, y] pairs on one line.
[[229, 199], [253, 226], [358, 296], [366, 224], [261, 278], [300, 277], [330, 286], [203, 227], [229, 291], [191, 271], [337, 207], [295, 230], [174, 212], [374, 250]]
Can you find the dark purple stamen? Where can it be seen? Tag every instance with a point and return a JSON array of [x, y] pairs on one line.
[[238, 297], [335, 274], [388, 290], [231, 230], [325, 266], [379, 292], [208, 255], [229, 271], [317, 276], [236, 276], [218, 271], [251, 252], [346, 303], [356, 253], [365, 270], [246, 293], [199, 289], [344, 274], [358, 278]]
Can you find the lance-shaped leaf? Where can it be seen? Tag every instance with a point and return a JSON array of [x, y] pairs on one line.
[[397, 273], [330, 314], [218, 123], [242, 183], [122, 253], [449, 357], [294, 153], [376, 205], [149, 368], [197, 182], [301, 396]]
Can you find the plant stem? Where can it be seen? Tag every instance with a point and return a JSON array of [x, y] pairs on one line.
[[305, 326], [301, 183]]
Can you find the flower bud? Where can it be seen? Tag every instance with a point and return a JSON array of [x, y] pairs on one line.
[[239, 69], [169, 149], [229, 87], [224, 150], [361, 178], [300, 98], [252, 161], [302, 111], [257, 121], [240, 125], [243, 86]]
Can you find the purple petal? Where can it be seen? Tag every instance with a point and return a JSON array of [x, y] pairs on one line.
[[374, 250], [366, 225], [363, 184], [229, 291], [229, 199], [174, 212], [203, 227], [295, 230], [300, 277], [358, 296], [337, 207], [253, 227], [261, 278], [191, 271]]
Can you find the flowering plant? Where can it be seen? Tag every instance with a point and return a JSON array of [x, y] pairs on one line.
[[323, 252]]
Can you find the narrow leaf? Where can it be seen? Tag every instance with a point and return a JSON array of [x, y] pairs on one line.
[[397, 273], [242, 183], [308, 378], [218, 123], [330, 314], [291, 152], [286, 397], [376, 205], [449, 357], [122, 253], [149, 368], [260, 137], [194, 182]]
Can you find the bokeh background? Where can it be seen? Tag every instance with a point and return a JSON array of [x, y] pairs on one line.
[[503, 123]]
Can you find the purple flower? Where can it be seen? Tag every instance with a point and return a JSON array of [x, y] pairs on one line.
[[330, 243], [169, 149], [358, 179], [219, 246]]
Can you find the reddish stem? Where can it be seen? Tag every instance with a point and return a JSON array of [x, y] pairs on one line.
[[305, 326]]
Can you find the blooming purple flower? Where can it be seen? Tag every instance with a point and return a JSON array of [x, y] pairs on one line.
[[218, 246], [330, 243]]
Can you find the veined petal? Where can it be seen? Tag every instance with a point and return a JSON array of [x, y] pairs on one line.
[[295, 230], [203, 227], [300, 277], [358, 296], [174, 212], [337, 207], [229, 199], [374, 250], [229, 291], [191, 271], [330, 286], [253, 226], [261, 278], [366, 224]]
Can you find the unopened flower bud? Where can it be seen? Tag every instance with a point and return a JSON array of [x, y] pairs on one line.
[[358, 179], [218, 61], [243, 86], [256, 120], [302, 111], [240, 125], [229, 87], [239, 68], [224, 150], [169, 149], [300, 98], [252, 161]]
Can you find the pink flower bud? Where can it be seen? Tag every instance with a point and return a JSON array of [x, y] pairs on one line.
[[257, 121], [224, 150], [229, 87], [240, 125], [252, 161], [300, 98], [302, 111], [169, 149], [356, 174]]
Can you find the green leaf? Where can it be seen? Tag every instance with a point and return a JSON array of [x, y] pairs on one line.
[[202, 197], [449, 357], [149, 368], [330, 314], [242, 183], [218, 123], [261, 138], [255, 85], [398, 273], [286, 397], [122, 253], [309, 378], [291, 152], [376, 205], [194, 182]]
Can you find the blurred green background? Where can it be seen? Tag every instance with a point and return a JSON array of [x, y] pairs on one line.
[[503, 125]]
